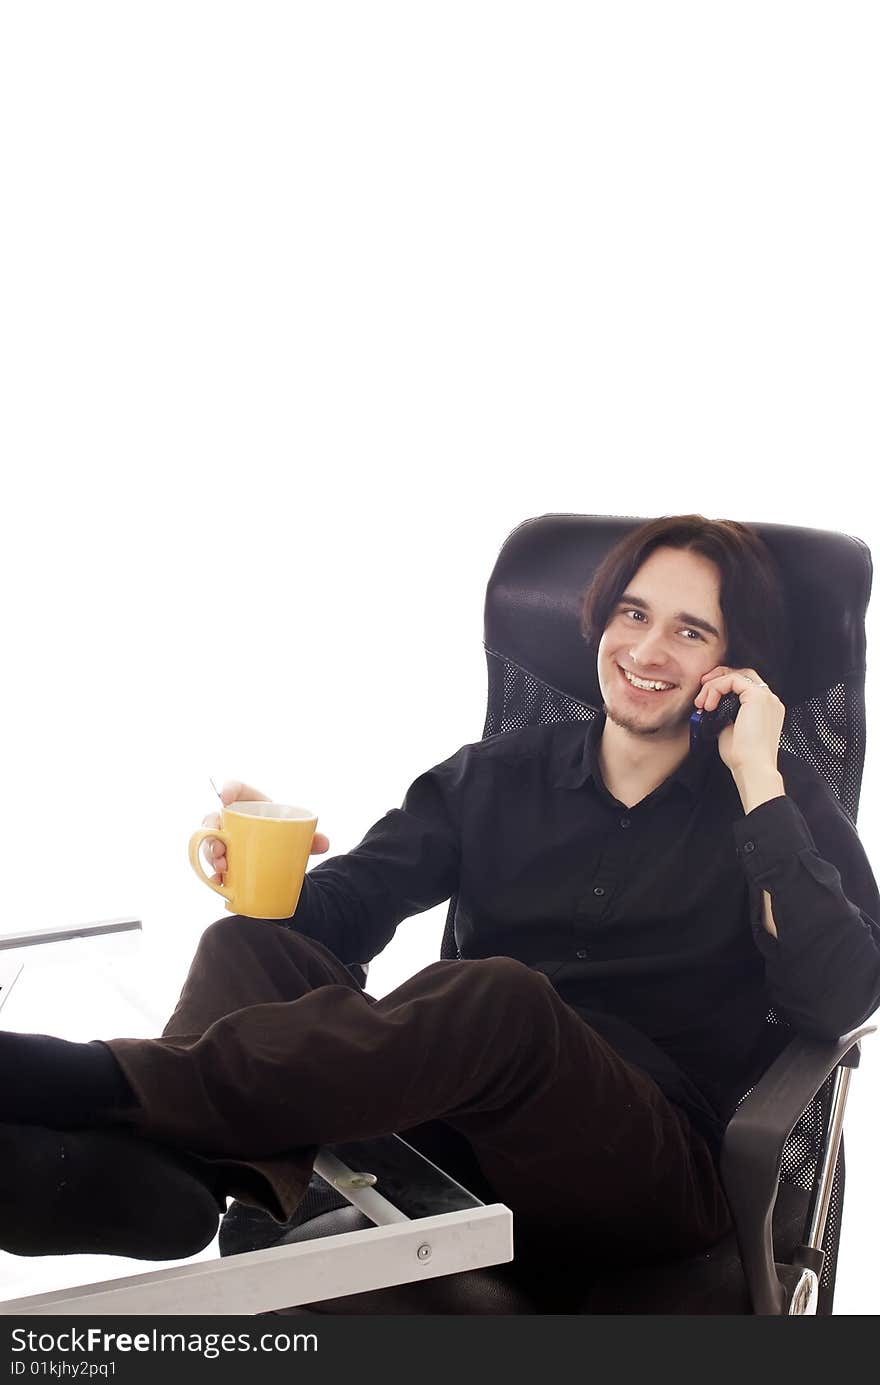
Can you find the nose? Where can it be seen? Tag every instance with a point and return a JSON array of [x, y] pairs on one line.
[[649, 651]]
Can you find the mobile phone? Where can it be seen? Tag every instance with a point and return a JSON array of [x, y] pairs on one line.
[[707, 726]]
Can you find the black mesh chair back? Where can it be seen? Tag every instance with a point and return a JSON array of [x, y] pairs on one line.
[[540, 670]]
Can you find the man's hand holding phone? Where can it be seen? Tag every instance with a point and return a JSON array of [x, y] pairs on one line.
[[750, 742]]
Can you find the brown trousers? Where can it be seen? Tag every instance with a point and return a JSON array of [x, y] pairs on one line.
[[273, 1050]]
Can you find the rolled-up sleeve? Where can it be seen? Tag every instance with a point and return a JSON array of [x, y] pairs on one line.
[[407, 862], [823, 967]]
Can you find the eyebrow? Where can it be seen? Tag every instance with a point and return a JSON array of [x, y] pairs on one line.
[[697, 621]]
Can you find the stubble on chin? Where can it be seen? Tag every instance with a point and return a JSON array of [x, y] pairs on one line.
[[628, 723], [637, 728]]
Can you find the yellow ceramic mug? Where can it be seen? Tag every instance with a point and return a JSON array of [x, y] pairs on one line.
[[267, 848]]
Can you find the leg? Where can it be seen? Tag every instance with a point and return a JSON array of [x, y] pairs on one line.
[[242, 962], [226, 975], [573, 1139]]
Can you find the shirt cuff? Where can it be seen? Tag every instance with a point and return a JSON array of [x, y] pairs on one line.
[[770, 835]]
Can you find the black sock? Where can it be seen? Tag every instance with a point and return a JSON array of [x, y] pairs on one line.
[[100, 1192], [53, 1082]]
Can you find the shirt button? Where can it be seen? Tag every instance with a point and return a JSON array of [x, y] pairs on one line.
[[581, 952], [749, 846], [598, 890], [624, 822]]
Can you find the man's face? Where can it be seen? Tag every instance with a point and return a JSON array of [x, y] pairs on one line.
[[660, 635]]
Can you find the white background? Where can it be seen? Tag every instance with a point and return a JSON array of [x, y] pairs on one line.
[[304, 308]]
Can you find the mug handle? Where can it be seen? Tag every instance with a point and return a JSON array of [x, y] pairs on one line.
[[195, 842]]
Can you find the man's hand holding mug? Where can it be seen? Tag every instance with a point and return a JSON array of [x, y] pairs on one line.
[[259, 852]]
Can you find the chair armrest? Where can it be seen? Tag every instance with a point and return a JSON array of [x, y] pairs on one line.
[[751, 1154]]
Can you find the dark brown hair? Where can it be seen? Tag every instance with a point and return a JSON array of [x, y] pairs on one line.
[[752, 597]]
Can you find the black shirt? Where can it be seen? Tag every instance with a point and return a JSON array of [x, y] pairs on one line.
[[647, 920]]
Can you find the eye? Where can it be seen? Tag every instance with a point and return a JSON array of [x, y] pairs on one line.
[[632, 611]]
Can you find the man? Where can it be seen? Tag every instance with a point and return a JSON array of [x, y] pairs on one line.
[[628, 909]]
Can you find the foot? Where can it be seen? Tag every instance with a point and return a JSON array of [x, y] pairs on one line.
[[100, 1192]]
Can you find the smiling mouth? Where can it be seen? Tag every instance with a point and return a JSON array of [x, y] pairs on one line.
[[656, 691]]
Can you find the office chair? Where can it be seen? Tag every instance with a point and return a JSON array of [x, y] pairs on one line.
[[782, 1161]]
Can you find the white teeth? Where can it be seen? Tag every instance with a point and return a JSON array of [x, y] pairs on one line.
[[645, 683]]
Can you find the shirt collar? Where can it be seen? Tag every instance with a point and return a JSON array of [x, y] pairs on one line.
[[575, 766]]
